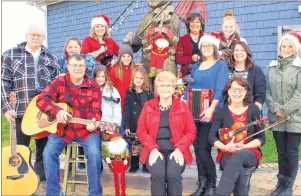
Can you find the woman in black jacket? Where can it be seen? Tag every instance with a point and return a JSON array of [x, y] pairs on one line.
[[243, 65], [138, 93], [234, 157]]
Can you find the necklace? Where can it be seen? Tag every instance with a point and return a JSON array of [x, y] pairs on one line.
[[164, 108]]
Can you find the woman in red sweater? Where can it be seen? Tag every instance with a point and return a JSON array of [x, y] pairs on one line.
[[166, 130], [121, 72], [98, 43], [187, 50]]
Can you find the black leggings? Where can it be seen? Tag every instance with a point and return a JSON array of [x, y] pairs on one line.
[[202, 150], [288, 152], [234, 177], [165, 172]]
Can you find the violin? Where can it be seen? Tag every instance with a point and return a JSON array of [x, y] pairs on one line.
[[238, 130]]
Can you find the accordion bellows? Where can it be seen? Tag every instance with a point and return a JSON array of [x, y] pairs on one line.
[[199, 100]]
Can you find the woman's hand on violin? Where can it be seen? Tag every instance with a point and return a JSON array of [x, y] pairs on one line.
[[154, 155], [178, 156], [206, 115], [230, 147], [239, 146]]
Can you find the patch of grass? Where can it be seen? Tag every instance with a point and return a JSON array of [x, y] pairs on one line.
[[5, 130], [269, 150]]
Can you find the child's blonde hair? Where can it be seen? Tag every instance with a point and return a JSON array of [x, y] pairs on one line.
[[143, 72], [230, 16]]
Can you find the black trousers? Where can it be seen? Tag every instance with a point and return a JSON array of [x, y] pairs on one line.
[[202, 150], [166, 177], [234, 178], [23, 139], [288, 152]]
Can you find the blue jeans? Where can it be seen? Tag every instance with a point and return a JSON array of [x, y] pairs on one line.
[[92, 150]]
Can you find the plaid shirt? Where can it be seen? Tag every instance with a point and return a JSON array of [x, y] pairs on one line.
[[84, 99], [18, 75]]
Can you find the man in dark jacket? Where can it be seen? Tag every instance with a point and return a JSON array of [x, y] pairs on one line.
[[26, 70]]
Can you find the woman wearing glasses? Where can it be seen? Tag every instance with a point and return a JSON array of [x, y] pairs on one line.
[[242, 64], [233, 157], [166, 130], [212, 73]]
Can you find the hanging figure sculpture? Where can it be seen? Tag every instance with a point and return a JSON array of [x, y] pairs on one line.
[[158, 46]]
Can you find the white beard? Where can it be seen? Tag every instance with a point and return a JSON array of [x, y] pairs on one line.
[[117, 146]]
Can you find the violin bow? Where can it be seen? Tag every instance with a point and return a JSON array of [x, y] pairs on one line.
[[268, 127]]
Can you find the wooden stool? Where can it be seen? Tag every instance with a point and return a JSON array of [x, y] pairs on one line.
[[74, 159]]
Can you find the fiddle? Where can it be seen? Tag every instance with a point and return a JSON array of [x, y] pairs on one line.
[[238, 130]]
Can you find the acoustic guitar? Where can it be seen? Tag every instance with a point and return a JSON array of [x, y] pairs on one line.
[[39, 125], [18, 176]]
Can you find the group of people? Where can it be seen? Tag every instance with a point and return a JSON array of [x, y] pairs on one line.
[[121, 93]]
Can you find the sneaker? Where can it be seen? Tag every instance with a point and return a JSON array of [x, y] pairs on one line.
[[145, 170]]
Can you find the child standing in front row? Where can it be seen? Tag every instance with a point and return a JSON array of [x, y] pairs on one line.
[[138, 93]]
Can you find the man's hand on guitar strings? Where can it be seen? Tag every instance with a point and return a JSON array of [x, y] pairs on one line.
[[63, 116]]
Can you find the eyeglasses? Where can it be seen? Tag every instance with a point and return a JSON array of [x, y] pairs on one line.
[[165, 85], [77, 65], [240, 90], [39, 36], [208, 46]]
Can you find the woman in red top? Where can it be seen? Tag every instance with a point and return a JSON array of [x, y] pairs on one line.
[[166, 130], [234, 157], [188, 50], [121, 72], [99, 43]]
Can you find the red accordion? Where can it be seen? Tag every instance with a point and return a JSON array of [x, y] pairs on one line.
[[199, 100]]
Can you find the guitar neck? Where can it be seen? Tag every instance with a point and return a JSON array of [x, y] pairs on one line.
[[13, 137], [80, 121]]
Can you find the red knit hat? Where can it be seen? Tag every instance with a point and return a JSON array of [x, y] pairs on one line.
[[101, 19], [114, 136]]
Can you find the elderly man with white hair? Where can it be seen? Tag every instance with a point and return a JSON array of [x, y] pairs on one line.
[[26, 70]]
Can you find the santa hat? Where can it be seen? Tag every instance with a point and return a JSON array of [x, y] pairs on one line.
[[293, 37], [100, 19], [114, 136], [211, 39]]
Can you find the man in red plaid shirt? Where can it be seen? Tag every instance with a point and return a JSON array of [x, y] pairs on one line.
[[84, 96]]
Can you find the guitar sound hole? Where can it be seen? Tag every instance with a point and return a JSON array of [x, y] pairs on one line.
[[14, 161]]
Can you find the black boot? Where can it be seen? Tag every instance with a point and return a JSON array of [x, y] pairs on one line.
[[287, 189], [201, 186], [144, 169], [211, 187], [279, 186]]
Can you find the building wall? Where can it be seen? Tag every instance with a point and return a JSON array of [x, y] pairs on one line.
[[258, 22]]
